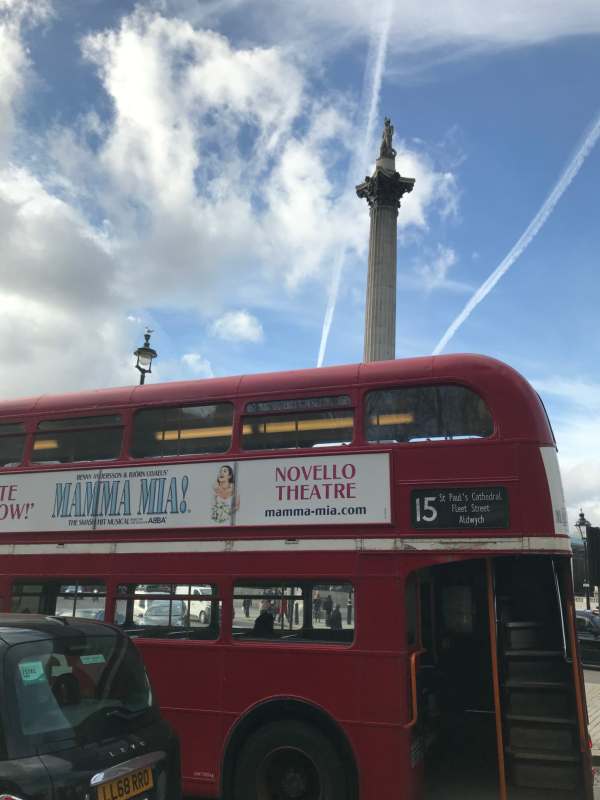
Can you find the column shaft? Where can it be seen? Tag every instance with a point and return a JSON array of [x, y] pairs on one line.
[[380, 316]]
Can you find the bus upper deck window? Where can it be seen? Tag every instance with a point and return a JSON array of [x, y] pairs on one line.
[[12, 444], [182, 430], [78, 439], [425, 413], [298, 422]]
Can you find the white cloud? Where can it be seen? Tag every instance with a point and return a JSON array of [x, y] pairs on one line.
[[49, 250], [577, 429], [581, 482], [62, 326], [209, 203], [179, 174], [432, 188], [469, 25], [238, 326], [163, 78], [213, 185], [434, 273], [579, 392], [198, 365]]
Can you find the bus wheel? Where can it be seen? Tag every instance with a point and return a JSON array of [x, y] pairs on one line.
[[289, 761]]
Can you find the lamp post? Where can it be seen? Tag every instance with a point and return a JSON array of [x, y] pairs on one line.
[[145, 354], [582, 526]]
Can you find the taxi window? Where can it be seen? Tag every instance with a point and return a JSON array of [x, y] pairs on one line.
[[76, 688]]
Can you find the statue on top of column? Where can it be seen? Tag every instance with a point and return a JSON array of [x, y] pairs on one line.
[[386, 150]]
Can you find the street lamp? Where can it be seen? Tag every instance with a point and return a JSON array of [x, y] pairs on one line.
[[582, 526], [145, 354]]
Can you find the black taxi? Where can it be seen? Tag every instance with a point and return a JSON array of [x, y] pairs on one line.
[[588, 637], [77, 717]]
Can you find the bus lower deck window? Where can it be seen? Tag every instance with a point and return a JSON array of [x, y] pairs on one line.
[[186, 611], [425, 413], [84, 598], [304, 611]]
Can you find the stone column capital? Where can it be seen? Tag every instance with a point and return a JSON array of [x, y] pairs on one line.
[[384, 188]]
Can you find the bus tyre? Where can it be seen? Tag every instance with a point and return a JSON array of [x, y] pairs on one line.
[[289, 761]]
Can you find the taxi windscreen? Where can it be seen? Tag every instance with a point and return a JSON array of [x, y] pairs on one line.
[[76, 688]]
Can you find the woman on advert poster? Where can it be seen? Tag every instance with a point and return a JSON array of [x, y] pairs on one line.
[[225, 501]]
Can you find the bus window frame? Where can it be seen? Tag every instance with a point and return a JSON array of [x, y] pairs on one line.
[[167, 633], [33, 428], [50, 589], [244, 637], [181, 458], [243, 414], [433, 382]]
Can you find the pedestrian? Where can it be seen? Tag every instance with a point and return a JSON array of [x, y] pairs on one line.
[[247, 605], [266, 604], [335, 619], [263, 625], [328, 608], [317, 607]]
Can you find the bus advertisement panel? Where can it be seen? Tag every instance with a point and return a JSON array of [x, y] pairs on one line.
[[322, 490]]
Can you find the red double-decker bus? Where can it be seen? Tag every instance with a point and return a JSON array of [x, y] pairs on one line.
[[346, 583]]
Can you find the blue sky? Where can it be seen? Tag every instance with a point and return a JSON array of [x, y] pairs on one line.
[[189, 166]]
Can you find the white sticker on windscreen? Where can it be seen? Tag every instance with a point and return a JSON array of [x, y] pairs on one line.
[[95, 658], [31, 671]]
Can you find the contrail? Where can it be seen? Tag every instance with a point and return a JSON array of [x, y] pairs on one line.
[[372, 88], [533, 229]]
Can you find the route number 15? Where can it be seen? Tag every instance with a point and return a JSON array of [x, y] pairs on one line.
[[425, 510]]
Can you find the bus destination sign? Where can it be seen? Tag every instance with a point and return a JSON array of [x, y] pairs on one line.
[[466, 507]]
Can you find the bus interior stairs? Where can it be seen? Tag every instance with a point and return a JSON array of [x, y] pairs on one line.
[[539, 711], [538, 705]]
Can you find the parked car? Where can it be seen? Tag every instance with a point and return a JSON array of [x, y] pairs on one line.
[[83, 613], [77, 715], [200, 608], [588, 636], [165, 612]]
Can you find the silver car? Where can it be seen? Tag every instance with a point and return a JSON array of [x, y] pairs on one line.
[[170, 613]]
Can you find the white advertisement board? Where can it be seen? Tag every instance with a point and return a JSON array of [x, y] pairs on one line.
[[323, 490]]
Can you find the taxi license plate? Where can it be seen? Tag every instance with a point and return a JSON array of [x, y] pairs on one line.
[[128, 786]]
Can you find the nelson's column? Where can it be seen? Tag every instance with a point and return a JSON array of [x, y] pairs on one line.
[[382, 192]]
